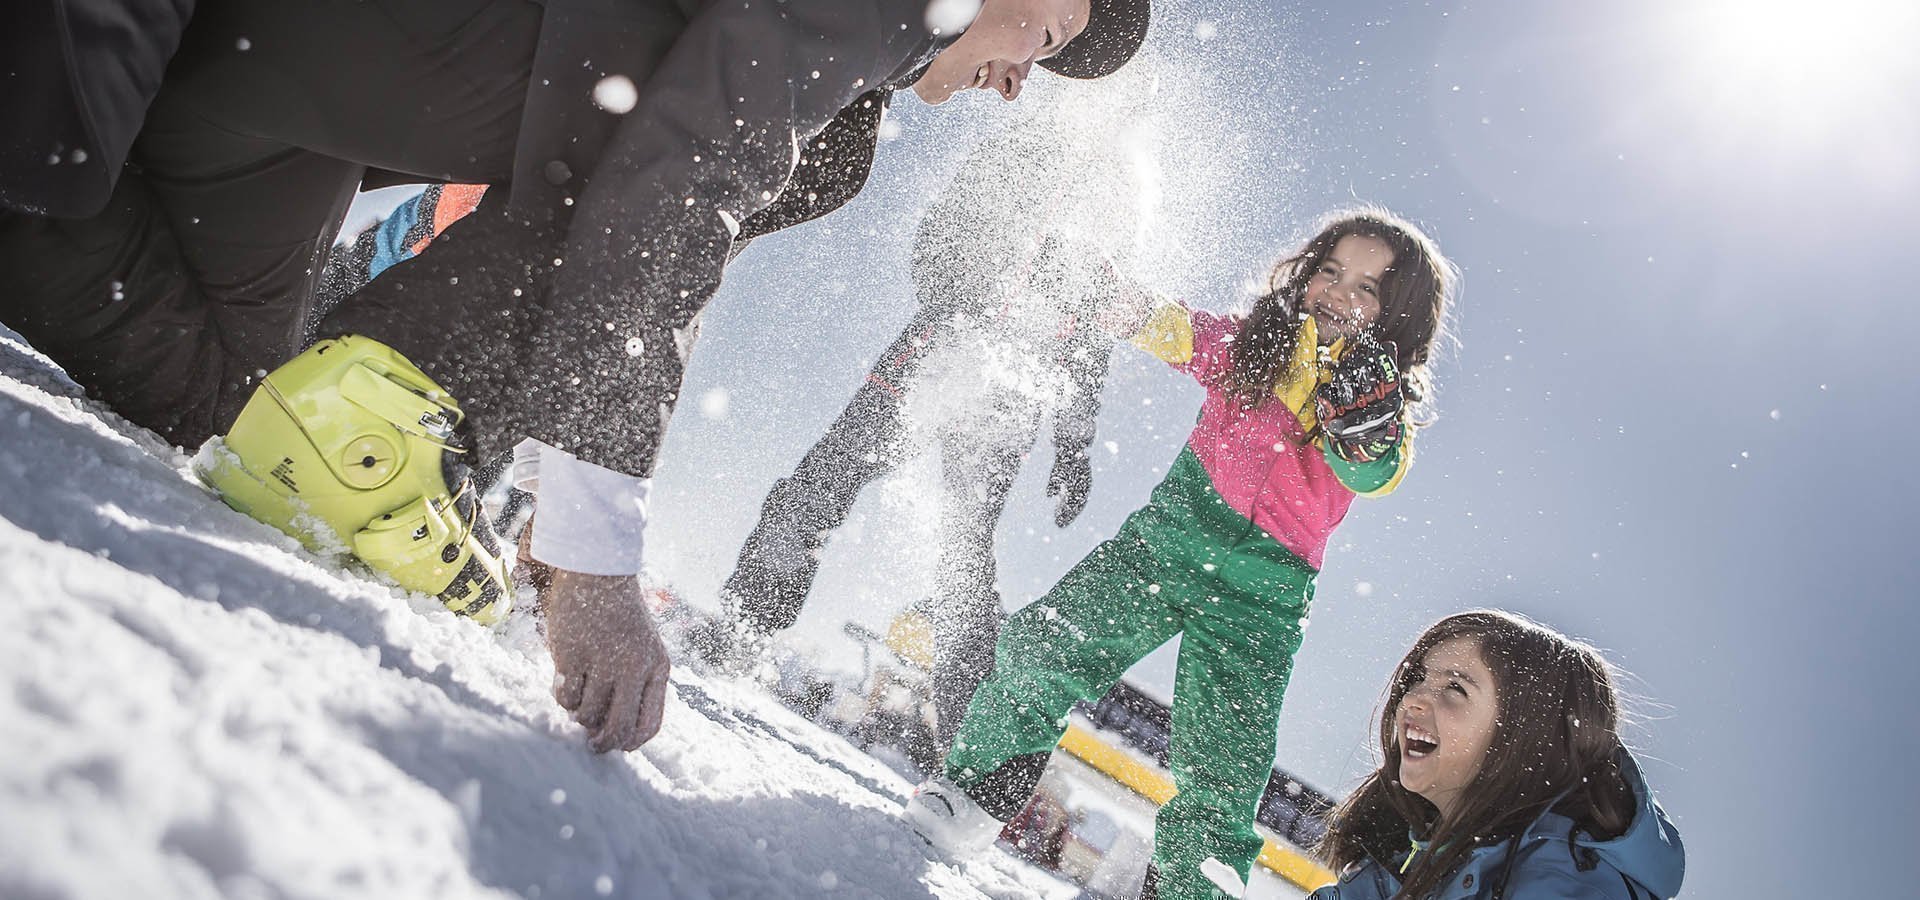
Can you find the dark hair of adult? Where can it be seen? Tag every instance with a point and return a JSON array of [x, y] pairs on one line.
[[1556, 745], [1414, 295]]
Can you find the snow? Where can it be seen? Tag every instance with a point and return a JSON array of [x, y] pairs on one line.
[[616, 94], [194, 706], [951, 15]]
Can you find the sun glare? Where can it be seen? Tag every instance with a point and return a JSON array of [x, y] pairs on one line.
[[1583, 112], [1794, 63], [1752, 91]]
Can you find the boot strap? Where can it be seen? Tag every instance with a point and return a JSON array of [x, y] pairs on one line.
[[430, 420], [417, 529]]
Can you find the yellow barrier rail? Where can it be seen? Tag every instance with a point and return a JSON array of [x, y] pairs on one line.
[[1151, 783]]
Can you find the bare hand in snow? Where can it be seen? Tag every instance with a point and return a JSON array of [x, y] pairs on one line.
[[609, 663], [526, 569]]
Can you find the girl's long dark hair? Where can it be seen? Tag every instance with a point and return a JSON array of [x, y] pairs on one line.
[[1556, 743], [1414, 296]]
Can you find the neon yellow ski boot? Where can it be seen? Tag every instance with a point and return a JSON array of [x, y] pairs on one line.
[[351, 449]]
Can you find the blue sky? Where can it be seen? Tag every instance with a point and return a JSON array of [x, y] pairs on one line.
[[1674, 423]]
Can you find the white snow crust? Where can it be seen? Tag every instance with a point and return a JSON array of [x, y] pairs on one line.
[[193, 706]]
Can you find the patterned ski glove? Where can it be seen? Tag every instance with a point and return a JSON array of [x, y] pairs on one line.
[[1359, 408], [1071, 481]]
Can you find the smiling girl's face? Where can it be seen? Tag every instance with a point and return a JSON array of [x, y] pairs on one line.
[[1343, 296], [1445, 722]]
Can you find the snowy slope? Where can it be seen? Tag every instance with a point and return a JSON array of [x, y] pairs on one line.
[[193, 707]]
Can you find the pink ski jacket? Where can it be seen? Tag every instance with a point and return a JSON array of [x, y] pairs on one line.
[[1258, 459]]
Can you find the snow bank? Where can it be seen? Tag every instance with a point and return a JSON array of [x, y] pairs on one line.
[[195, 707]]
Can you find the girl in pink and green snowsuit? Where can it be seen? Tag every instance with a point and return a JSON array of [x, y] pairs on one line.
[[1306, 407]]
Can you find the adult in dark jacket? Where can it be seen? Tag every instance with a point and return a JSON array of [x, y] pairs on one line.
[[1008, 267], [638, 139]]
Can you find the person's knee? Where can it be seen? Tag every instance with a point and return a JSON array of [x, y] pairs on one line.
[[1031, 634]]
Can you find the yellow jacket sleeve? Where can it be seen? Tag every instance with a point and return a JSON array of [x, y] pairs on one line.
[[1167, 334]]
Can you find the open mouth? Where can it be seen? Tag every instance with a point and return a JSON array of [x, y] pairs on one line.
[[1330, 321], [1417, 742], [1328, 327]]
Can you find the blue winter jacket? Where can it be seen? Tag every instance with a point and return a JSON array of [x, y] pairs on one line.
[[1551, 862]]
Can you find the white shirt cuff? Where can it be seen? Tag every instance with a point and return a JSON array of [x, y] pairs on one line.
[[590, 519]]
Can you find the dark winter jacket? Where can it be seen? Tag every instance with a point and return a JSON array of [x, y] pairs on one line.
[[782, 65], [1552, 860], [74, 87], [747, 116], [727, 95]]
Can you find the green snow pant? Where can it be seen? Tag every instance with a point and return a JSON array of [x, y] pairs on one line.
[[1185, 564]]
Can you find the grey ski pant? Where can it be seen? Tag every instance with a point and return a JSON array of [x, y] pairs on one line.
[[869, 439]]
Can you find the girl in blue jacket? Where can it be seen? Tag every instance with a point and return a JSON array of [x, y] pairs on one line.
[[1503, 777]]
